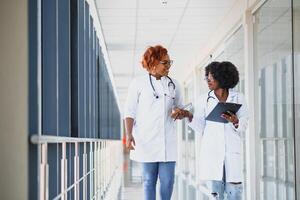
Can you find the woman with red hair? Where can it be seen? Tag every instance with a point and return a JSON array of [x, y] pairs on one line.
[[150, 123]]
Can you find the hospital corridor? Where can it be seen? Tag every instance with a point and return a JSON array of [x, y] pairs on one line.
[[150, 99]]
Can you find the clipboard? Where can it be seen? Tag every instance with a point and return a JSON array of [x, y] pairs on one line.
[[220, 108]]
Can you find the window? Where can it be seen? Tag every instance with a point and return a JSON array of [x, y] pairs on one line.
[[73, 73], [296, 23], [55, 79], [273, 59]]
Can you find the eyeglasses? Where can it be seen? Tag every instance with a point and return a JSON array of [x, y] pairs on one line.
[[166, 62]]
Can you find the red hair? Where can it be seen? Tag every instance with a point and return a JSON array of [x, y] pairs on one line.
[[152, 56]]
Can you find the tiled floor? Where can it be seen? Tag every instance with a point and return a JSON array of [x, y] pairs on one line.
[[132, 193], [136, 193]]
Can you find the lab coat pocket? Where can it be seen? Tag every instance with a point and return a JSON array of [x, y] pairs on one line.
[[147, 100], [169, 105], [234, 167], [235, 143]]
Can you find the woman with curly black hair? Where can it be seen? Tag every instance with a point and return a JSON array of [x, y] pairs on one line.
[[225, 73], [220, 150]]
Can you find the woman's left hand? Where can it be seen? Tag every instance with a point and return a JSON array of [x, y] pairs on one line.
[[181, 113], [177, 113]]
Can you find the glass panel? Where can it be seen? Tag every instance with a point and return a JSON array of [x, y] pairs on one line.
[[183, 146], [191, 192], [273, 59], [86, 69], [281, 160], [49, 90], [234, 52], [190, 133], [296, 22]]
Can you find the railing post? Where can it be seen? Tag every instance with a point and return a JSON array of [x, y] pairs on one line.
[[101, 167], [96, 169], [44, 173], [76, 172], [64, 174], [84, 171], [91, 170], [99, 170], [104, 167], [108, 155]]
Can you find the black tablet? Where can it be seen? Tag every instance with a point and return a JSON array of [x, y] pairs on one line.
[[221, 108]]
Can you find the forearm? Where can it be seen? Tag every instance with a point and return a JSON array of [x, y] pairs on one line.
[[128, 126]]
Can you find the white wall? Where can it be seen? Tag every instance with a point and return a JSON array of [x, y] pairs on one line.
[[13, 103]]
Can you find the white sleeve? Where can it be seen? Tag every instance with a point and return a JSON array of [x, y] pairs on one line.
[[198, 122], [132, 100], [242, 115]]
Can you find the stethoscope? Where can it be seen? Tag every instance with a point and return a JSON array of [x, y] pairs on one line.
[[209, 96], [171, 83]]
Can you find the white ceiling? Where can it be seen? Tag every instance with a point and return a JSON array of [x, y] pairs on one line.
[[182, 26]]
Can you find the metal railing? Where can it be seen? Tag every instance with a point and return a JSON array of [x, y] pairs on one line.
[[101, 162]]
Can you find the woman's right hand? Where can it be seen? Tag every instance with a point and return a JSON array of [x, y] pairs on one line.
[[130, 142], [180, 114]]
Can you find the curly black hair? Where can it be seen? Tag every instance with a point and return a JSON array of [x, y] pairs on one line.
[[225, 73]]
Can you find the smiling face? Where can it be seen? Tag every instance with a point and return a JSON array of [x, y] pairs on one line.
[[163, 67]]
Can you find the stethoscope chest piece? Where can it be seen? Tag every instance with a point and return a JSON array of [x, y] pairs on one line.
[[171, 83]]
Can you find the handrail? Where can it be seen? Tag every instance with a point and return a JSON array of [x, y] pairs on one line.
[[41, 139], [101, 167]]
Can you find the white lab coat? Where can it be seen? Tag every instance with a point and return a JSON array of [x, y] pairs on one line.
[[221, 143], [154, 129]]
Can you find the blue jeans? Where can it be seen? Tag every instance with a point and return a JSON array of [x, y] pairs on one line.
[[165, 171], [233, 190]]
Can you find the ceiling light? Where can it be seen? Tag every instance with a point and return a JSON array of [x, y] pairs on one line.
[[164, 2]]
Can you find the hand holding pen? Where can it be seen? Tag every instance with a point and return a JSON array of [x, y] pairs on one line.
[[180, 113]]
